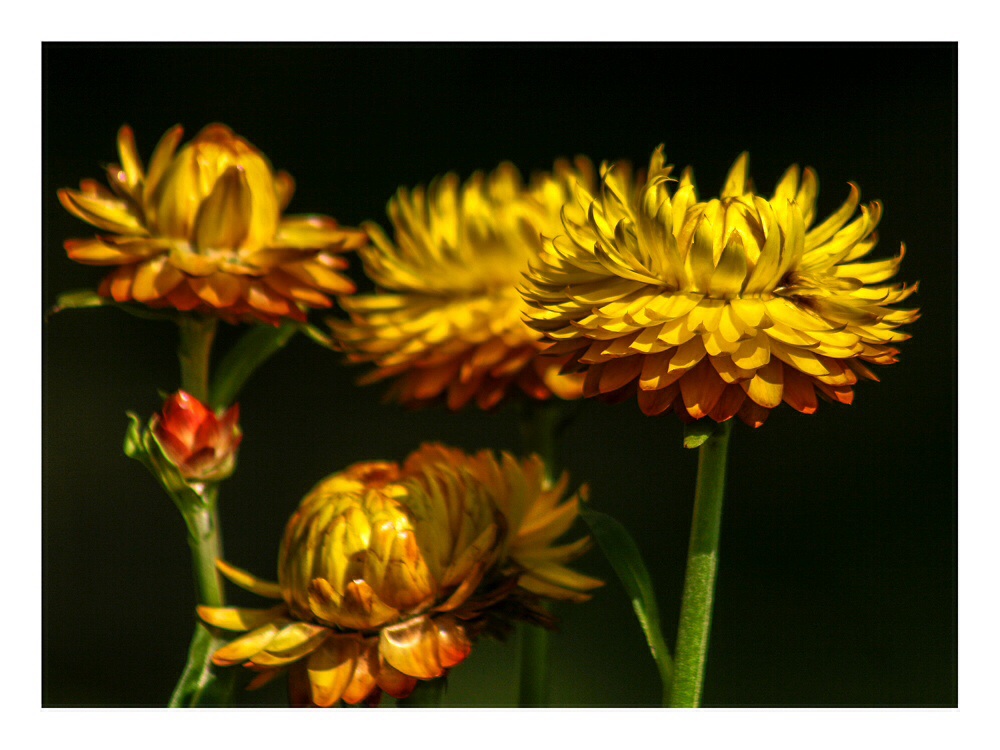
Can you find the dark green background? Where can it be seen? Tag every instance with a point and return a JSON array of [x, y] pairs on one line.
[[837, 584]]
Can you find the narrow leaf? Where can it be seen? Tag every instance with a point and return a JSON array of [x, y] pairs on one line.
[[250, 352], [84, 299], [623, 554]]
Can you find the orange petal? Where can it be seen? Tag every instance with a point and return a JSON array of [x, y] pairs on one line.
[[453, 642], [392, 681], [218, 290], [701, 389], [155, 278], [365, 671], [728, 404], [753, 414], [657, 402], [412, 648], [799, 392], [620, 372]]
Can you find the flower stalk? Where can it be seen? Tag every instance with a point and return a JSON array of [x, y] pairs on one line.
[[194, 352], [199, 684], [541, 425], [699, 580]]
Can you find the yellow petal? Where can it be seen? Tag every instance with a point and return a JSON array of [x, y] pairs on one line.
[[238, 618], [224, 216], [249, 582], [331, 668]]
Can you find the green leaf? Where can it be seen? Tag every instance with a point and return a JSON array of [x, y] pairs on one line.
[[696, 433], [623, 554], [84, 299], [202, 684], [250, 352]]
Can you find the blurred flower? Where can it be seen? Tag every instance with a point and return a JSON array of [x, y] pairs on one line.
[[202, 230], [200, 444], [446, 320], [389, 572], [718, 308]]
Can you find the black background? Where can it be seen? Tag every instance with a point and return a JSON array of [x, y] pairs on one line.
[[837, 583]]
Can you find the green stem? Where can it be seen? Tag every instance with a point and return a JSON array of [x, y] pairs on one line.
[[541, 424], [193, 352], [206, 548], [201, 684], [426, 695], [699, 581]]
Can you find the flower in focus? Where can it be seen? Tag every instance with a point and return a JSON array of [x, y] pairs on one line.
[[202, 229], [200, 444], [446, 320], [717, 308], [388, 573]]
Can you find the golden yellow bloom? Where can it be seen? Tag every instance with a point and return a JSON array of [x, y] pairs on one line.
[[718, 308], [447, 317], [389, 572], [202, 230]]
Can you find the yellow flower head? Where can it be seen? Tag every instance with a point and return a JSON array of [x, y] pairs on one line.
[[202, 230], [387, 573], [717, 308], [446, 320]]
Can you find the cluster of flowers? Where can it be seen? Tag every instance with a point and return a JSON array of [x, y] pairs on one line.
[[612, 283]]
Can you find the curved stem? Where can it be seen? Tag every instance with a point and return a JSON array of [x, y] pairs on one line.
[[541, 424], [699, 581]]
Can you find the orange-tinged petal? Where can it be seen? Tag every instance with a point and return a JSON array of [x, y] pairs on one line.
[[104, 213], [701, 389], [154, 279], [392, 681], [249, 645], [412, 648], [219, 289], [453, 642], [365, 671]]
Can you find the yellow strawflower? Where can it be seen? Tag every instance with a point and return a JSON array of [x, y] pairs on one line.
[[387, 573], [202, 229], [446, 320], [721, 307]]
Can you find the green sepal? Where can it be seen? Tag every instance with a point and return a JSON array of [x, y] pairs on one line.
[[141, 444], [85, 299], [622, 552], [696, 433]]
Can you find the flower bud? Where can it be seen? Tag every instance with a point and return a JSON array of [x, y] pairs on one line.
[[200, 444]]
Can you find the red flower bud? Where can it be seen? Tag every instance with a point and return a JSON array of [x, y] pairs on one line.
[[199, 443]]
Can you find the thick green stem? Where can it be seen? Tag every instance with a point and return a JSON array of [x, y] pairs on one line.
[[206, 548], [193, 352], [699, 581], [541, 425], [201, 684]]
